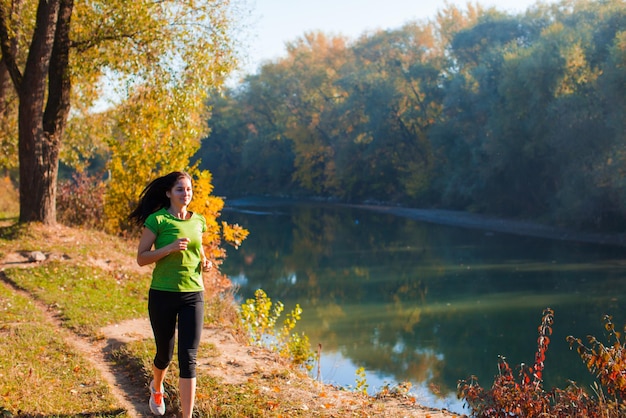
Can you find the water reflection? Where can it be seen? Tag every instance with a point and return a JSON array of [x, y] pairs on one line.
[[429, 304]]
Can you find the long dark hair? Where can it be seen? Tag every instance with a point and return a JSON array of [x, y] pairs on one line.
[[153, 197]]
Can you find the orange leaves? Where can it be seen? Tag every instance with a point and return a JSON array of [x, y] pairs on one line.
[[200, 396], [540, 357], [608, 324], [543, 340], [210, 206], [608, 363], [527, 397]]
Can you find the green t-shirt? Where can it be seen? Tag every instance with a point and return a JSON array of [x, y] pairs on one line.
[[180, 271]]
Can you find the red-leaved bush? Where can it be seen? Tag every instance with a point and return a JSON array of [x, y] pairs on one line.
[[524, 396]]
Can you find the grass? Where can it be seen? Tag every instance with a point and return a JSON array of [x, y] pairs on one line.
[[73, 244], [87, 298], [9, 205], [39, 373]]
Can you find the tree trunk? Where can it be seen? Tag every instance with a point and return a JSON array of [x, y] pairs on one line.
[[39, 162], [37, 149], [40, 132]]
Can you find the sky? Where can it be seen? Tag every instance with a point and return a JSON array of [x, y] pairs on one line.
[[272, 23]]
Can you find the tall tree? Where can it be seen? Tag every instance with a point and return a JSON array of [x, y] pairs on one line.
[[40, 124], [393, 83], [313, 68], [182, 43]]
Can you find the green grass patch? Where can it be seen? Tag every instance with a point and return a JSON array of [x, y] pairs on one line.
[[40, 375], [86, 298]]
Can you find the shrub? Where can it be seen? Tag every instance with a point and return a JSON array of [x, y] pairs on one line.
[[608, 364], [80, 201], [525, 396], [259, 317]]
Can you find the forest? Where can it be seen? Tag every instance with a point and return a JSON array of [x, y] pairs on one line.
[[515, 115]]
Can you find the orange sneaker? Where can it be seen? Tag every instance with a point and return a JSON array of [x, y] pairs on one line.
[[157, 405]]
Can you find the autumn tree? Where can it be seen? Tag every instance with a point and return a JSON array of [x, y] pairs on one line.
[[61, 51], [282, 121], [392, 100], [310, 93], [247, 149], [528, 126], [468, 140]]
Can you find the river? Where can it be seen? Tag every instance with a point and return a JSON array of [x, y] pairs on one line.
[[424, 303]]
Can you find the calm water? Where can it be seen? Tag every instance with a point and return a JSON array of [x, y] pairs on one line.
[[425, 303]]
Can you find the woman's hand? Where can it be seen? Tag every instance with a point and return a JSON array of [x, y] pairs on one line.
[[206, 264], [145, 253], [179, 245]]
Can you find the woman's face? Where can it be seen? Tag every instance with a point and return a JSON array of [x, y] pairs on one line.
[[181, 193]]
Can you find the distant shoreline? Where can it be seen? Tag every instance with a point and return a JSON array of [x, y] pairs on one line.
[[455, 218], [476, 221]]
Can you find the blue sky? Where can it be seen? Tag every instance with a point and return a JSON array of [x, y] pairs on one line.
[[271, 23]]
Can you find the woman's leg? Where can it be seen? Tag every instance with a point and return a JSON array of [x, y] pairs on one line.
[[190, 323], [158, 378], [187, 388], [162, 311]]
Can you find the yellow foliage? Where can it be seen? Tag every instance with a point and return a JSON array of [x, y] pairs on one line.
[[210, 207], [156, 132], [234, 234]]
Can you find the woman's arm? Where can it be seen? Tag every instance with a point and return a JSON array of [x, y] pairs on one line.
[[145, 253]]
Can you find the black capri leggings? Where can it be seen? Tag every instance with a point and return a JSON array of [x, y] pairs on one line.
[[164, 308]]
